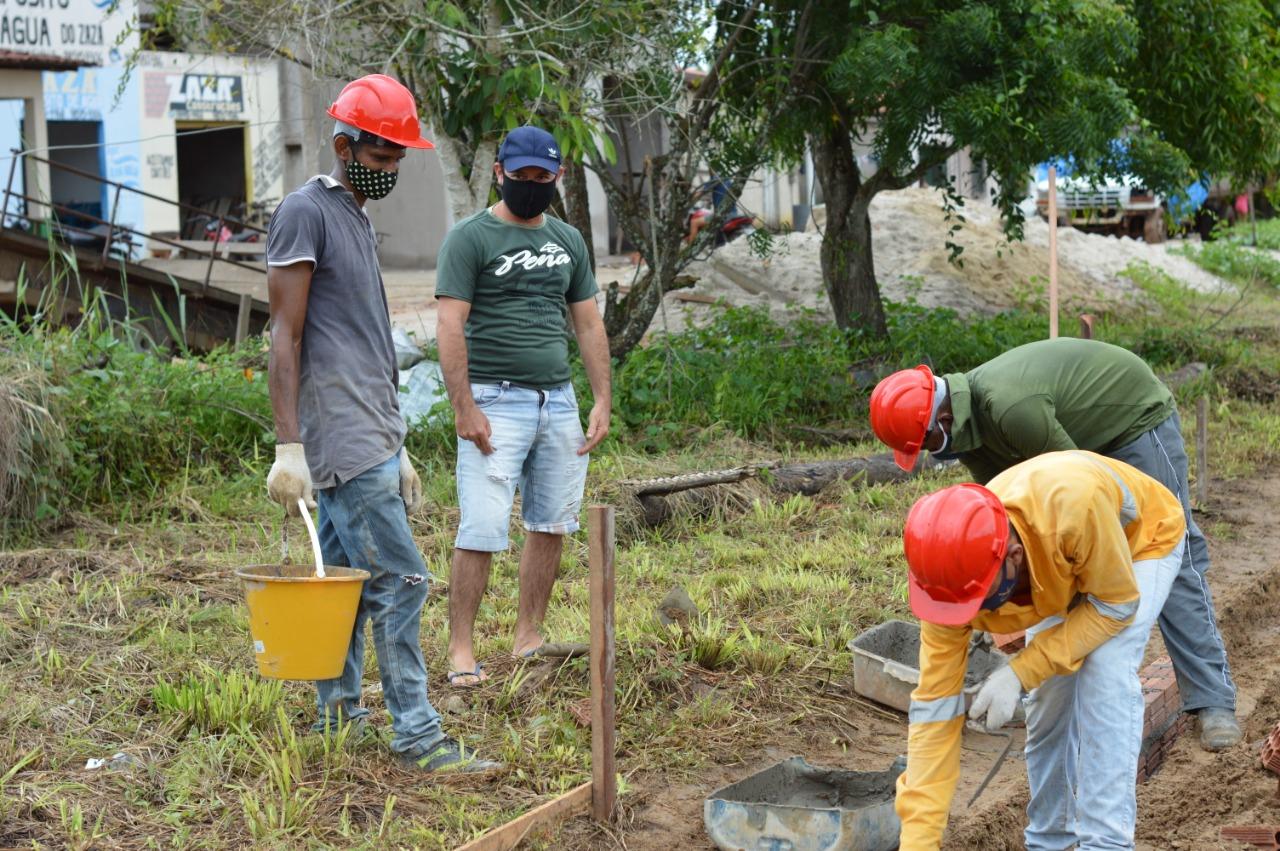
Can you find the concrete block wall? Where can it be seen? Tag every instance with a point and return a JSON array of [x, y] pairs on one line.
[[1163, 720]]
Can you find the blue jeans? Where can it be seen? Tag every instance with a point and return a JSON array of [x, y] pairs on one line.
[[1084, 732], [363, 524], [536, 437], [1187, 622]]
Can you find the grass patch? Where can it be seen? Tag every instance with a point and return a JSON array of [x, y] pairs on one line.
[[214, 702]]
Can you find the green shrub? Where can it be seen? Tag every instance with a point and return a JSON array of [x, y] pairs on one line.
[[760, 377], [1236, 263], [119, 418]]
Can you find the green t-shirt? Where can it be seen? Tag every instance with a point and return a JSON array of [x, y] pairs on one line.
[[520, 281], [1050, 396]]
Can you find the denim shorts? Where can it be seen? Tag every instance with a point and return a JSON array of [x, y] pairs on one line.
[[536, 435]]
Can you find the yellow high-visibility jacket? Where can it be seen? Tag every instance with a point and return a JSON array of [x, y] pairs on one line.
[[1083, 519]]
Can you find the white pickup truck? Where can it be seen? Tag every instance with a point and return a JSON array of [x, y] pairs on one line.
[[1117, 207]]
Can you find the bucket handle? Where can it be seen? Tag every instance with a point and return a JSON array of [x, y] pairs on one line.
[[315, 540]]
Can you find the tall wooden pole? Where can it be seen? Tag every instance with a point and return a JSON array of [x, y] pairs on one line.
[[1053, 252], [604, 788]]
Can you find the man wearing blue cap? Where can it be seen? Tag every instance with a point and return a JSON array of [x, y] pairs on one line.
[[509, 280]]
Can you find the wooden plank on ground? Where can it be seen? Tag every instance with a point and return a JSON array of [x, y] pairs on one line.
[[506, 837], [603, 777]]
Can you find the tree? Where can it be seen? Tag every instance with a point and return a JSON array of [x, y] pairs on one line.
[[482, 67], [477, 67], [912, 83], [1207, 77], [675, 91]]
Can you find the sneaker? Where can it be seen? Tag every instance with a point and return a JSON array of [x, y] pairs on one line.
[[450, 756], [1218, 728]]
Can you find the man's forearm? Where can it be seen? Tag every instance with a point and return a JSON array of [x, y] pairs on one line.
[[282, 383], [594, 345], [453, 363]]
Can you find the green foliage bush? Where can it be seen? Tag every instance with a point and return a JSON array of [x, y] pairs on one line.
[[1236, 262], [129, 419], [759, 377]]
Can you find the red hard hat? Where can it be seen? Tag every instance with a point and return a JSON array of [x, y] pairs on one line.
[[382, 106], [955, 542], [901, 407]]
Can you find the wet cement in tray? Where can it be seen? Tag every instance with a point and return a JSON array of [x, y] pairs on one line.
[[900, 641], [819, 788]]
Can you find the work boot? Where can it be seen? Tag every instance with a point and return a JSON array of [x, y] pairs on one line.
[[1218, 728], [450, 756]]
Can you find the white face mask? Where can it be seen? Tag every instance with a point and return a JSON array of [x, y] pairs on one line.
[[939, 396]]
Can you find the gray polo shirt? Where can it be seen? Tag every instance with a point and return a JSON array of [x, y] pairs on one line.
[[348, 412]]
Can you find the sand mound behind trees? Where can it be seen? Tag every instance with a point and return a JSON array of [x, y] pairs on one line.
[[909, 235]]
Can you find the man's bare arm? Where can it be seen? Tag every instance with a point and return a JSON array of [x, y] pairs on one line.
[[287, 289], [593, 342], [471, 423]]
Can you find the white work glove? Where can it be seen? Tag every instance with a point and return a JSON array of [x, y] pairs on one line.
[[290, 478], [997, 699], [410, 484]]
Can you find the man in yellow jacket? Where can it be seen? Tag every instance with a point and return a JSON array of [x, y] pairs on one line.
[[1080, 550]]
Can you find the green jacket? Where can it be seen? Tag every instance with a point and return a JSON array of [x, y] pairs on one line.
[[1049, 396]]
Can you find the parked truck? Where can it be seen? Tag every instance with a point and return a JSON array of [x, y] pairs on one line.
[[1117, 207]]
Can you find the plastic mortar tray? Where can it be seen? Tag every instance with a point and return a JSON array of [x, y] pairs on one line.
[[794, 806], [886, 664]]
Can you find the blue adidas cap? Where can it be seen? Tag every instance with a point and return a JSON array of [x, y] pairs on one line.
[[529, 145]]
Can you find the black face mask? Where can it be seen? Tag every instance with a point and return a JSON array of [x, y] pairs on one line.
[[370, 182], [527, 199]]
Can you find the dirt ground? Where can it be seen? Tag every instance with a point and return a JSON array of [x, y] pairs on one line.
[[1183, 807]]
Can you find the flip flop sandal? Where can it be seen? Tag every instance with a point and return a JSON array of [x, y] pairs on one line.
[[453, 677]]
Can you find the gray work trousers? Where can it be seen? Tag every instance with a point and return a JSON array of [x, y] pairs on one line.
[[1187, 621]]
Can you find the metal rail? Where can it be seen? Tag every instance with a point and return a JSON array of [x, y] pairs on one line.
[[112, 226]]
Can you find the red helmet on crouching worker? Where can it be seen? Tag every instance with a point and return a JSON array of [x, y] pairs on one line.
[[955, 542], [901, 408], [382, 106]]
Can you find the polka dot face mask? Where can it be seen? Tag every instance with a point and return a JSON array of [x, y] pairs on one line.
[[371, 183]]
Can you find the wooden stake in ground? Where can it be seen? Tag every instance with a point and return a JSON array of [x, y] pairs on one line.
[[604, 789], [1202, 451], [1086, 326], [601, 793], [1053, 252]]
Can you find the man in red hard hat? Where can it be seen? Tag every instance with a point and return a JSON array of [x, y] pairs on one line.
[[1075, 394], [1080, 550], [333, 381]]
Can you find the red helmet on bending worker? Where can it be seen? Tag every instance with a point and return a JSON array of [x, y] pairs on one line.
[[902, 407], [382, 106], [955, 541]]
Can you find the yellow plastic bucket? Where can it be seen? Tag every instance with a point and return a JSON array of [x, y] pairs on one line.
[[301, 623]]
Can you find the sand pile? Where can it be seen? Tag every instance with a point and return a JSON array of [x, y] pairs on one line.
[[909, 235]]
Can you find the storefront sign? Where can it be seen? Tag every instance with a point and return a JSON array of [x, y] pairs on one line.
[[96, 32], [206, 97]]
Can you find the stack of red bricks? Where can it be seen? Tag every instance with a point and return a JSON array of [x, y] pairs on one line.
[[1261, 835], [1163, 720], [1257, 835], [1271, 753], [1009, 642]]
